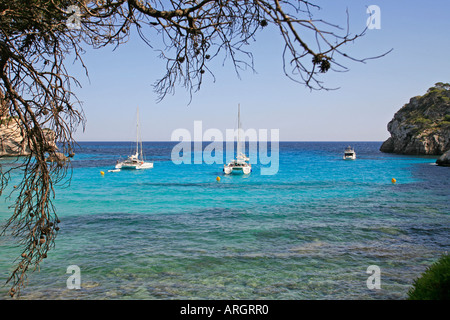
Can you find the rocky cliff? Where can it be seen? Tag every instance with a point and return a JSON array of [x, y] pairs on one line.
[[13, 142], [422, 126]]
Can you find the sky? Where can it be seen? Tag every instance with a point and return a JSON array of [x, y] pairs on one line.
[[369, 93]]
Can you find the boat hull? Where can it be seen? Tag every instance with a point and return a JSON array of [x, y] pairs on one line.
[[237, 170], [145, 165]]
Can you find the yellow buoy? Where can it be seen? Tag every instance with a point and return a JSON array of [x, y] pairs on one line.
[[218, 178], [102, 173], [393, 180]]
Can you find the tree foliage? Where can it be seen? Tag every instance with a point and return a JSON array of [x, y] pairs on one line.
[[434, 283], [37, 36], [440, 86]]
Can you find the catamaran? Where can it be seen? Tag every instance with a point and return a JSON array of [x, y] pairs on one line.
[[349, 154], [136, 160], [240, 164]]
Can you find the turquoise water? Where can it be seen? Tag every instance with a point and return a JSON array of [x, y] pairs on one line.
[[308, 232]]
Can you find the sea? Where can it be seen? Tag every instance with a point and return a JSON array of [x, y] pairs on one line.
[[315, 230]]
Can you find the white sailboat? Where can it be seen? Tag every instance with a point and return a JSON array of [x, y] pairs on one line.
[[240, 164], [135, 161]]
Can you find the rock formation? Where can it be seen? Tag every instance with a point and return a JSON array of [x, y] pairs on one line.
[[13, 141], [422, 126], [444, 160]]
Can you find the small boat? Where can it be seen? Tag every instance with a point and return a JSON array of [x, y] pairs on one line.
[[237, 166], [349, 154], [135, 161], [240, 164]]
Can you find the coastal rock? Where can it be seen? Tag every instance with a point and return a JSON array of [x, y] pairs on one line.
[[422, 126], [444, 160], [57, 157], [13, 141]]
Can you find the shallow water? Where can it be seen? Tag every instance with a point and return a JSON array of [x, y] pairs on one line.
[[308, 232]]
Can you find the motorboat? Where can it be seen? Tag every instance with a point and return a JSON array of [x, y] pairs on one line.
[[349, 154]]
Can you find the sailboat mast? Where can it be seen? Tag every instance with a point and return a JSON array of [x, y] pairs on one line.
[[137, 130], [138, 139], [239, 132]]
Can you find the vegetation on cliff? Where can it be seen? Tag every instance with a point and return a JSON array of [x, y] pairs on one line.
[[431, 110]]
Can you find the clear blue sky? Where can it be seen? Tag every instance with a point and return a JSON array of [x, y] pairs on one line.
[[368, 97]]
